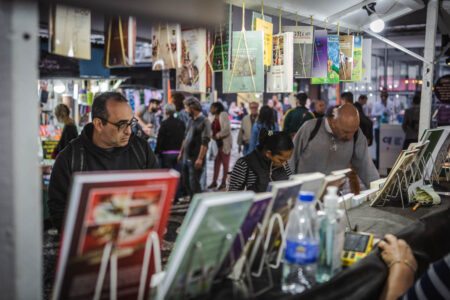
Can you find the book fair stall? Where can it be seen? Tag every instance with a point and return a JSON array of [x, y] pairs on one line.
[[127, 234]]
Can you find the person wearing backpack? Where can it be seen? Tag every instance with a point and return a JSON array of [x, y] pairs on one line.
[[295, 117], [107, 143], [267, 163], [333, 143]]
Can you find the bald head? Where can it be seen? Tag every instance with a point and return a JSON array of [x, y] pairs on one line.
[[345, 122]]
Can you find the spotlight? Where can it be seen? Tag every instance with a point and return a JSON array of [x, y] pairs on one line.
[[376, 24]]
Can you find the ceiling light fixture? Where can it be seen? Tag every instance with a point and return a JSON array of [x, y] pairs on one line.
[[447, 61], [376, 24]]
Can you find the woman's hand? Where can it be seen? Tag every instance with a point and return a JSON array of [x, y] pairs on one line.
[[395, 251]]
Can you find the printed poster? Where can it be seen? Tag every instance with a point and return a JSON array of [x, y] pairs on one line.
[[222, 44], [120, 41], [280, 76], [166, 46], [303, 49], [267, 28], [320, 58], [367, 61], [345, 57], [333, 62], [257, 15], [357, 59]]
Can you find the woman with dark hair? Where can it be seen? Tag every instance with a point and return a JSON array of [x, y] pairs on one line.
[[181, 114], [266, 120], [70, 131], [221, 134], [269, 162]]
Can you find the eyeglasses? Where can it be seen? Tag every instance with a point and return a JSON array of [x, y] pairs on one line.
[[122, 125]]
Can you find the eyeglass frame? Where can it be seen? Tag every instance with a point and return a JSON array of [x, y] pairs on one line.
[[132, 122]]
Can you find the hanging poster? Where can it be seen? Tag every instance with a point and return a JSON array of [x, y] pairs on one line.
[[267, 28], [166, 46], [257, 15], [333, 62], [367, 61], [191, 77], [280, 76], [70, 32], [247, 68], [320, 58], [357, 58], [120, 41], [303, 49], [345, 57], [222, 44]]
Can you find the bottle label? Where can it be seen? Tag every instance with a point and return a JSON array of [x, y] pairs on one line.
[[301, 252]]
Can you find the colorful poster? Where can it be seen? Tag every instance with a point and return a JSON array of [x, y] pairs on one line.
[[222, 44], [357, 59], [120, 41], [320, 60], [367, 61], [267, 28], [110, 220], [166, 46], [247, 72], [191, 77], [303, 49], [345, 57], [333, 62], [280, 77]]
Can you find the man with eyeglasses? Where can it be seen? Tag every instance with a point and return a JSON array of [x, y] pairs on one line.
[[105, 144]]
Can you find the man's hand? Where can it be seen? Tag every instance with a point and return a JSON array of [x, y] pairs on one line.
[[198, 163], [397, 251]]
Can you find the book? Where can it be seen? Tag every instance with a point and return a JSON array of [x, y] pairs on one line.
[[341, 172], [120, 41], [205, 238], [331, 180], [109, 219], [345, 57], [320, 58], [70, 31], [367, 61], [191, 77], [267, 29], [281, 73], [222, 43], [333, 62], [303, 49], [357, 59], [166, 46], [247, 69], [311, 182]]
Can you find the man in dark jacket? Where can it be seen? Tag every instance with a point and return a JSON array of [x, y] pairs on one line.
[[105, 144], [295, 117], [365, 123]]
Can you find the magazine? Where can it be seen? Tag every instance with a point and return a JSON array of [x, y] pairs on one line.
[[110, 218]]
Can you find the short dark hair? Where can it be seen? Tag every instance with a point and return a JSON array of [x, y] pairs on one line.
[[302, 98], [274, 142], [361, 97], [347, 96], [266, 116], [178, 99], [99, 106], [416, 99], [155, 101], [219, 107]]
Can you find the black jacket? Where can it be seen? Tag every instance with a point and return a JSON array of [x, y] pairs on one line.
[[365, 124], [170, 135], [69, 133], [82, 155]]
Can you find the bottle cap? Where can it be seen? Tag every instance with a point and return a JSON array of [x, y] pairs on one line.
[[306, 196]]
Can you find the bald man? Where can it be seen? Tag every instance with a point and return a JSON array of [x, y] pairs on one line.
[[333, 143]]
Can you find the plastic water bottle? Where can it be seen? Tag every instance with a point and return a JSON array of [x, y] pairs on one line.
[[331, 237], [299, 266]]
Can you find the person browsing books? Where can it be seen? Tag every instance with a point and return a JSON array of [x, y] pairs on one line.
[[107, 143], [333, 143], [265, 164]]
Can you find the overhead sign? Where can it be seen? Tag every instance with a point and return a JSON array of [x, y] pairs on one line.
[[442, 89]]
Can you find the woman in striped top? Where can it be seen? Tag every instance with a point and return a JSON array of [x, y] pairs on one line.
[[267, 163]]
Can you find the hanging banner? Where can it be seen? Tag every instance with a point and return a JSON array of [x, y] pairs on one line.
[[191, 77], [222, 44], [333, 62], [345, 57], [120, 41], [247, 68], [257, 15], [357, 59], [166, 46], [320, 58], [303, 49], [281, 73], [267, 28], [367, 61]]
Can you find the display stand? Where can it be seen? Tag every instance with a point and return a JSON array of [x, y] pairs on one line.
[[110, 256]]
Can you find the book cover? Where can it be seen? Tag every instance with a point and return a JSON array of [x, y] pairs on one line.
[[333, 62], [311, 182], [303, 49], [70, 32], [222, 43], [367, 61], [109, 220], [120, 41], [166, 46], [320, 58], [281, 72], [257, 15], [191, 77], [357, 59], [267, 28], [345, 57], [247, 72], [205, 238]]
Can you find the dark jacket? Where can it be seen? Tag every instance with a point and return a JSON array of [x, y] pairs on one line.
[[365, 124], [170, 135], [82, 155], [69, 132], [295, 118]]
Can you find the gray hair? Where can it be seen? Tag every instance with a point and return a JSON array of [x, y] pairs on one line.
[[169, 109]]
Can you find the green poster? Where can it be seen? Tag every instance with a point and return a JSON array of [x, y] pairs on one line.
[[333, 62], [357, 59]]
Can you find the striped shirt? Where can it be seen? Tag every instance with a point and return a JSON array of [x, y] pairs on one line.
[[243, 176], [433, 284]]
